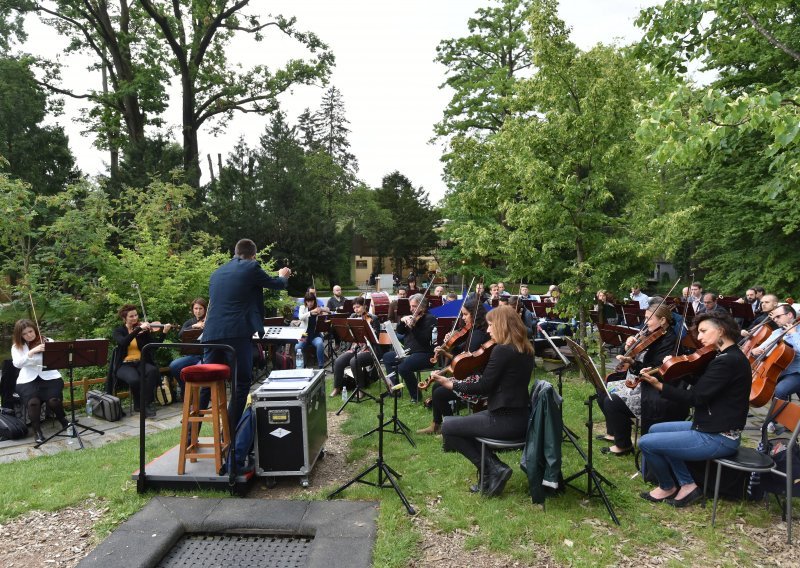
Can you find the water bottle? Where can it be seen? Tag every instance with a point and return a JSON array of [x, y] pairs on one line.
[[434, 336], [344, 393], [88, 407], [298, 357]]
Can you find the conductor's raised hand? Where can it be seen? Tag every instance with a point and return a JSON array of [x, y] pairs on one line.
[[285, 272]]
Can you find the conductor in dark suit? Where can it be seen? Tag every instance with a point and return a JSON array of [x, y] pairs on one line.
[[236, 312]]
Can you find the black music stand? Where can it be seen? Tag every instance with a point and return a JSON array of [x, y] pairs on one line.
[[385, 472], [398, 427], [355, 328], [594, 479], [70, 355]]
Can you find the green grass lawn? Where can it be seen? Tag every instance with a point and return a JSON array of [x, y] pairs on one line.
[[573, 529]]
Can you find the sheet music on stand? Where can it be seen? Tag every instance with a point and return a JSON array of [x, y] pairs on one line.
[[399, 350], [549, 340]]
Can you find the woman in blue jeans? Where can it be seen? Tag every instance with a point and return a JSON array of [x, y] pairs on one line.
[[720, 397]]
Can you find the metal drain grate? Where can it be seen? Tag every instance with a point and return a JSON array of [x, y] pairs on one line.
[[224, 550]]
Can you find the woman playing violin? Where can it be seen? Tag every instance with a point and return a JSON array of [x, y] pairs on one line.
[[720, 397], [197, 321], [642, 401], [34, 384], [309, 312], [358, 357], [131, 337], [473, 318], [505, 383], [417, 330]]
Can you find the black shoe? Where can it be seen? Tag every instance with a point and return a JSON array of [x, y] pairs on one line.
[[691, 498], [38, 435], [63, 422], [497, 474], [647, 497], [607, 450], [150, 410]]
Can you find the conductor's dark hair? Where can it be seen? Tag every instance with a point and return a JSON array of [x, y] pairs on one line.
[[245, 248]]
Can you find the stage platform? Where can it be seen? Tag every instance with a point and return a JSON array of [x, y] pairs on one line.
[[162, 473]]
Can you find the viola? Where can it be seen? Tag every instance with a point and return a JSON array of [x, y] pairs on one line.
[[682, 365], [465, 364]]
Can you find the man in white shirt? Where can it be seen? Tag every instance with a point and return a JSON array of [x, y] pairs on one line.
[[638, 296]]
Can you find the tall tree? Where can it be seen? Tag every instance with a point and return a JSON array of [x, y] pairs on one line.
[[198, 34], [35, 153], [739, 140], [411, 232], [484, 66], [549, 191]]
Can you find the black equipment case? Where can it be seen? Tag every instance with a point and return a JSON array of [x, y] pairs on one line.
[[291, 423]]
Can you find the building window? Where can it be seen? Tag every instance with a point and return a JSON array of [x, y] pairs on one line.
[[361, 264]]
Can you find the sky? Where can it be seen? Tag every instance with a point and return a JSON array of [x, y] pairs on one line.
[[384, 69]]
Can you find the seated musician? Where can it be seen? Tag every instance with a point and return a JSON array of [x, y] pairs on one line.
[[501, 289], [642, 401], [480, 292], [789, 379], [505, 383], [494, 294], [710, 305], [417, 331], [401, 293], [768, 303], [197, 321], [605, 307], [721, 399], [473, 317], [525, 294], [451, 297], [358, 357], [336, 301], [638, 296], [35, 385], [131, 337], [308, 314], [528, 317], [555, 325], [438, 291]]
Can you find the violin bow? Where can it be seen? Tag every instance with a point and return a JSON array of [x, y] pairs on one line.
[[464, 301], [427, 290], [685, 311], [135, 284], [35, 319]]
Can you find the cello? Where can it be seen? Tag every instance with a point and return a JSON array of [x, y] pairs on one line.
[[768, 367], [758, 336]]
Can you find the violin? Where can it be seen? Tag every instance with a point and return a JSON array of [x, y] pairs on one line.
[[464, 365], [682, 365], [639, 346], [454, 339]]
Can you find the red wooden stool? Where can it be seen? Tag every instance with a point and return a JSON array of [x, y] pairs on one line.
[[195, 377]]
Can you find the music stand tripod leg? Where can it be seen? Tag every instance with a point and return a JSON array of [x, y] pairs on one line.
[[382, 467], [73, 423]]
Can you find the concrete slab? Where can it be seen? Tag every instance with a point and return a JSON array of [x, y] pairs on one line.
[[150, 534]]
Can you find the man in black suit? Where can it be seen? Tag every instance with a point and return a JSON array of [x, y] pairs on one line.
[[236, 312]]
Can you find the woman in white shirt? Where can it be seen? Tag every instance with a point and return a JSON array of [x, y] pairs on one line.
[[35, 385]]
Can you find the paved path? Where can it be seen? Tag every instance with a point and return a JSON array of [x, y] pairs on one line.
[[128, 427]]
